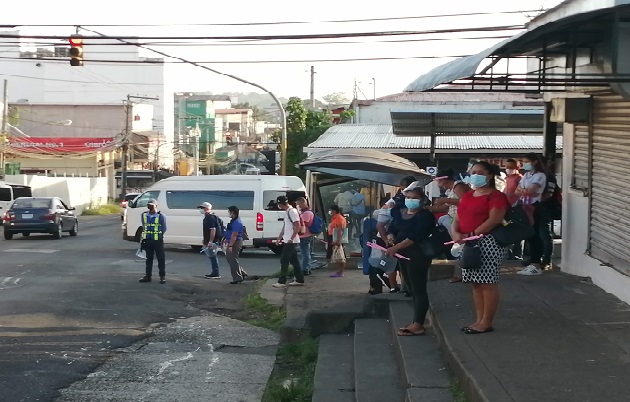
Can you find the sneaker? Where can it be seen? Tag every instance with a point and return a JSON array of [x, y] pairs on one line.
[[279, 285], [145, 279], [530, 270], [296, 283], [162, 280], [212, 276]]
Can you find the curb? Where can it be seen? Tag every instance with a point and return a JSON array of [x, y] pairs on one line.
[[94, 218], [454, 362]]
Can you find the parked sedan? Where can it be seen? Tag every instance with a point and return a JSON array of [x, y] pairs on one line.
[[39, 215]]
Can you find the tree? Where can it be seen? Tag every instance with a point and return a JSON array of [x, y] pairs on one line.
[[296, 115], [315, 124], [336, 98]]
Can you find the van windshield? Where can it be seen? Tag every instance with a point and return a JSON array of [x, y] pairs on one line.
[[220, 200]]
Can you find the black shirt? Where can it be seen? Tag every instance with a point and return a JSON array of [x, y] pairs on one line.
[[210, 221], [417, 228]]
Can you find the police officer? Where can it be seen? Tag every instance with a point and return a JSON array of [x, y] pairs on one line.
[[154, 227]]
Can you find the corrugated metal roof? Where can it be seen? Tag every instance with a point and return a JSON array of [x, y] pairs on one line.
[[381, 136], [458, 97]]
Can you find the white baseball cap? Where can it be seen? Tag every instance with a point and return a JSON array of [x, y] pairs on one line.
[[414, 186], [152, 202], [205, 205]]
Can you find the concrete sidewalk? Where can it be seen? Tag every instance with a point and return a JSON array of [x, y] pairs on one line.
[[557, 338]]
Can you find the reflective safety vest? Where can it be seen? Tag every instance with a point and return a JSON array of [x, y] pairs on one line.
[[151, 230]]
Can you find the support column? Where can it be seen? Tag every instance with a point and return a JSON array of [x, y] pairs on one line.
[[550, 133]]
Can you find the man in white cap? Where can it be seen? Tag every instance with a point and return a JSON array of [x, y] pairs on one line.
[[212, 234], [154, 227]]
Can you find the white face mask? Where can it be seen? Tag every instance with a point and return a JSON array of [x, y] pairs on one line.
[[202, 211]]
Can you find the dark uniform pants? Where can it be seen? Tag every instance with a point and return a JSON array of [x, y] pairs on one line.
[[155, 247]]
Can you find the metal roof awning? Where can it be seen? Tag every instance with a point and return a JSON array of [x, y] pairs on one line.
[[467, 121], [567, 31], [364, 164]]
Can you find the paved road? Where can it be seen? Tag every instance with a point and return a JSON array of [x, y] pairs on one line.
[[67, 305]]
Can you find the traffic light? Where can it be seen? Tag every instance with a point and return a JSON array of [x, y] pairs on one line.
[[76, 51], [270, 164]]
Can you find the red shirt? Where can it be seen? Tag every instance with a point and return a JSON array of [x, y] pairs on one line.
[[473, 211], [511, 184]]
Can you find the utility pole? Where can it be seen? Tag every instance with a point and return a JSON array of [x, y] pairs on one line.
[[374, 87], [5, 117], [313, 87], [125, 146]]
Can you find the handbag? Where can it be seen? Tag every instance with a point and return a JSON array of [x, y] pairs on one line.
[[434, 246], [378, 259], [515, 227], [470, 257]]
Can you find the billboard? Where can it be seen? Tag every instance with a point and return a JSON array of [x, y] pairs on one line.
[[60, 145]]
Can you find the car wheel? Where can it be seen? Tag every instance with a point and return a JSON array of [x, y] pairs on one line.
[[277, 250], [59, 233], [8, 235], [75, 229], [26, 234]]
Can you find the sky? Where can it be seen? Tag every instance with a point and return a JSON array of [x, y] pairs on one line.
[[380, 77]]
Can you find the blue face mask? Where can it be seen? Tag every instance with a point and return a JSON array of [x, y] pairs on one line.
[[527, 166], [412, 203], [478, 180]]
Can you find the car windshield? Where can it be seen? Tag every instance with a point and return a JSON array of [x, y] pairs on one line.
[[33, 203]]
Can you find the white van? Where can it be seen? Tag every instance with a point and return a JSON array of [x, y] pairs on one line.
[[9, 192], [179, 196]]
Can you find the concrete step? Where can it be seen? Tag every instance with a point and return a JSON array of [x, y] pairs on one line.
[[334, 376], [376, 375], [420, 362]]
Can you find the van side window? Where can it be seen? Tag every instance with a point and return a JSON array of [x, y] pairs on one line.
[[5, 194], [143, 200], [220, 200], [269, 199]]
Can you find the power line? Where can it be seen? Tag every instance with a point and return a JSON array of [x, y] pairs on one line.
[[295, 22], [258, 43], [276, 37], [73, 81], [241, 61]]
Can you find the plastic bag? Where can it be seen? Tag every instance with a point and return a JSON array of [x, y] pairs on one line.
[[338, 255], [141, 253], [344, 236]]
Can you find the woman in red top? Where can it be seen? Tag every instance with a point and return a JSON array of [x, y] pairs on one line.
[[479, 212]]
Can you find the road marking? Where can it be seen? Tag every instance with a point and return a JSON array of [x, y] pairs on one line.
[[30, 250], [8, 282]]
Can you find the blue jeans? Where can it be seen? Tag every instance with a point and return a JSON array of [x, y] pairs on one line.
[[214, 263], [305, 251]]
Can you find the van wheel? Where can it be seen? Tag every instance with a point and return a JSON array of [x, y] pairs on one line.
[[277, 250], [196, 249], [138, 235], [26, 234]]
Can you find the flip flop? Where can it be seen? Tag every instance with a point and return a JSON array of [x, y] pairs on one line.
[[408, 332], [336, 275]]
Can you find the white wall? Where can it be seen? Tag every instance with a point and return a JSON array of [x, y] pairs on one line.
[[78, 192], [575, 215]]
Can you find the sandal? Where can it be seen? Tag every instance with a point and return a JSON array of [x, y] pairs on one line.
[[408, 332]]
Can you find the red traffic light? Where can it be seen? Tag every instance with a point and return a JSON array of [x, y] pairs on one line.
[[76, 51]]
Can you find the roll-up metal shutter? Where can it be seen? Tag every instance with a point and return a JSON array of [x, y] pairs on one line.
[[580, 157], [610, 204]]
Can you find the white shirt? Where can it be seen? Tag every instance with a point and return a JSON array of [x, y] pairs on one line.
[[289, 233], [529, 179], [344, 200]]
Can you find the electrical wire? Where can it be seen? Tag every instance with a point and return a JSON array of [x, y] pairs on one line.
[[276, 37], [298, 22], [160, 61]]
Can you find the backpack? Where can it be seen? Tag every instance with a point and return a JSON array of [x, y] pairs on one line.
[[220, 229], [317, 226]]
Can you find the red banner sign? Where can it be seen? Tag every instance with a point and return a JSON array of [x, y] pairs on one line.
[[61, 145]]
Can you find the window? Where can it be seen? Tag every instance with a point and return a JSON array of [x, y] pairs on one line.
[[270, 196], [42, 203], [22, 191], [5, 194], [220, 200], [143, 200]]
